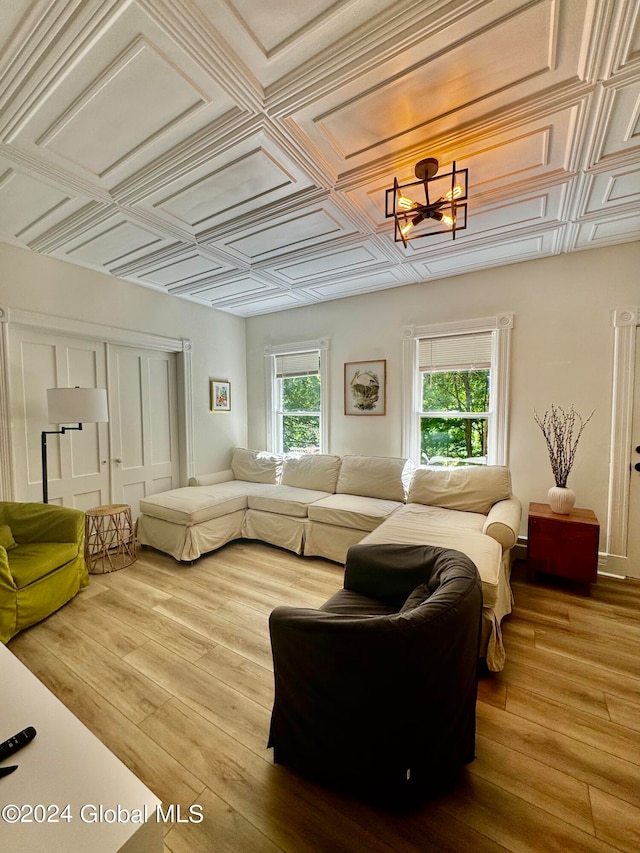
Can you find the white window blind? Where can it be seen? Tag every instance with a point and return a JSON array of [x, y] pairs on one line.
[[298, 364], [455, 352]]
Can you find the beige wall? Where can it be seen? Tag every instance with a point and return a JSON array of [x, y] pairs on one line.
[[35, 283], [562, 348]]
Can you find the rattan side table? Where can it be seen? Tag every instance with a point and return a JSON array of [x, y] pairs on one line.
[[109, 540]]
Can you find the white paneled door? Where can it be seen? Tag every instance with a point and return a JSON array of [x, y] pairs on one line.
[[133, 455], [633, 546], [143, 423], [78, 472]]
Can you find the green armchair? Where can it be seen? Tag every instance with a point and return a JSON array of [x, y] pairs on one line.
[[41, 562]]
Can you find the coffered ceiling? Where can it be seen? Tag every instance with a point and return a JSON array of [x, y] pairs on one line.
[[236, 152]]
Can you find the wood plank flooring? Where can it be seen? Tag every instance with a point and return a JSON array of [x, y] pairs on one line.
[[170, 666]]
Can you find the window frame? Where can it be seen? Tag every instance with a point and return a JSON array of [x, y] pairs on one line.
[[273, 413], [498, 421]]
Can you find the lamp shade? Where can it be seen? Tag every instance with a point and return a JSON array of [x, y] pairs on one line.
[[77, 405]]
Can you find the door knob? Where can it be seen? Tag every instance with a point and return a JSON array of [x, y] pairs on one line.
[[637, 466], [638, 449], [118, 460]]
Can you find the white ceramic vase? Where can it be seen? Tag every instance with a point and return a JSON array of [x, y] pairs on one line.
[[561, 499]]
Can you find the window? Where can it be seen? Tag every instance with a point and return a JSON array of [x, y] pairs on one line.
[[455, 390], [455, 377], [297, 391]]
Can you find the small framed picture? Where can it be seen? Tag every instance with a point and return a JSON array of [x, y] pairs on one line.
[[220, 395], [365, 387]]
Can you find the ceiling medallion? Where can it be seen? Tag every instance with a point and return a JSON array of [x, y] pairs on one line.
[[444, 208]]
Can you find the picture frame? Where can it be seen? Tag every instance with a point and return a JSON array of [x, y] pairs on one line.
[[220, 395], [365, 387]]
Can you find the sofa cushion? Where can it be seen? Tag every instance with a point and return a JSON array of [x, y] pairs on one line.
[[471, 489], [354, 511], [375, 477], [256, 466], [286, 500], [312, 471], [414, 524], [29, 563], [195, 504], [450, 519], [6, 537]]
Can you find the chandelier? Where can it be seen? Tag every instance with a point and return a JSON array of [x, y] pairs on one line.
[[444, 207]]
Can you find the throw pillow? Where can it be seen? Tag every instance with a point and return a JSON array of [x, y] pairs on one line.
[[470, 489], [255, 466]]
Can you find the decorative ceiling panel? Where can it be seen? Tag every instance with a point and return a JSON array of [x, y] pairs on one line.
[[246, 181], [12, 14], [447, 83], [308, 227], [108, 111], [254, 306], [331, 260], [618, 229], [225, 290], [363, 284], [234, 182], [238, 153], [27, 204], [274, 40], [186, 271], [111, 242], [537, 209], [279, 22], [614, 189], [522, 249], [124, 95], [434, 88], [622, 124]]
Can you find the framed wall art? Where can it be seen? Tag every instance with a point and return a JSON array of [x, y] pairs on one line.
[[365, 387], [220, 395]]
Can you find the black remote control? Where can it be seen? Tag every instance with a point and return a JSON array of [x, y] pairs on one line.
[[17, 742]]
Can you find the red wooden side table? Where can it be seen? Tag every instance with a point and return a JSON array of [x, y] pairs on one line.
[[563, 545]]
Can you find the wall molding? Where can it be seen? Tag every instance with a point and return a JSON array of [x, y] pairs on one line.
[[6, 459], [624, 322], [93, 331]]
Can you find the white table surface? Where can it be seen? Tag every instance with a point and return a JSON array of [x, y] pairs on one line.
[[65, 765]]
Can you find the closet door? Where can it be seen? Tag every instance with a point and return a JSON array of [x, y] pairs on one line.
[[143, 423], [78, 471]]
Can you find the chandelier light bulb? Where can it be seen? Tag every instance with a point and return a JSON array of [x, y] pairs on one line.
[[403, 202]]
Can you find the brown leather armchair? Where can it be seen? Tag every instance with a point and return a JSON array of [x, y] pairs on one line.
[[376, 691]]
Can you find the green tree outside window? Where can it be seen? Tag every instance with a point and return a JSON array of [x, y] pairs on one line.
[[449, 432], [300, 413]]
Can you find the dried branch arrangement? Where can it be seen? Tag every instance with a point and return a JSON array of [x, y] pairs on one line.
[[562, 430]]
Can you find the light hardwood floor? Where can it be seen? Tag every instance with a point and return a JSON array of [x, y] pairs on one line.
[[170, 666]]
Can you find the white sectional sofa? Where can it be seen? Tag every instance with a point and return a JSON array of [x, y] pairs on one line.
[[320, 505]]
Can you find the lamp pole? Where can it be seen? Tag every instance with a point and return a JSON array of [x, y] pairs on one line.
[[43, 451]]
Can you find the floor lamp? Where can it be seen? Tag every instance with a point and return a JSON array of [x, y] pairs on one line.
[[71, 406]]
